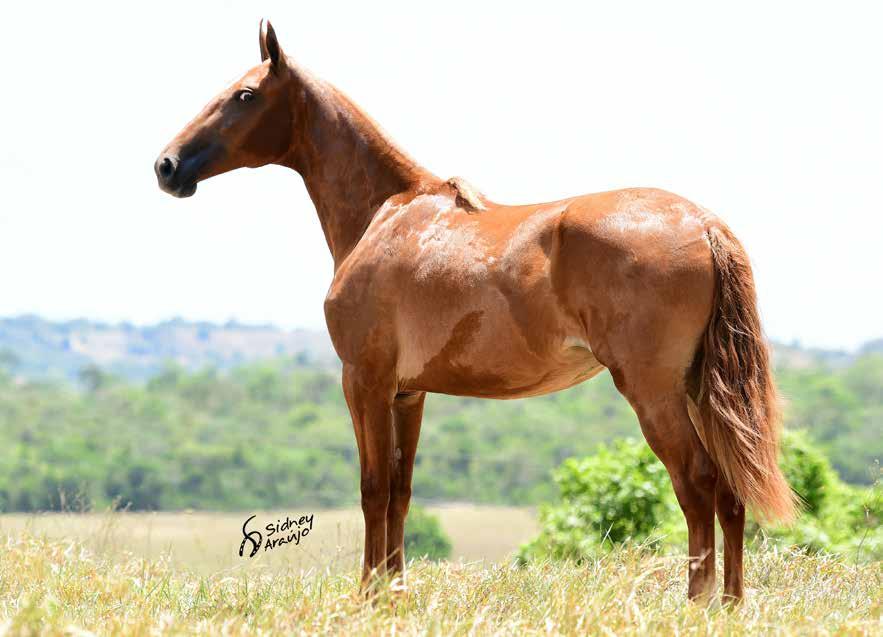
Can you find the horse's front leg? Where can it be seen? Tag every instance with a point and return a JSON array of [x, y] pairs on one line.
[[370, 402], [407, 412]]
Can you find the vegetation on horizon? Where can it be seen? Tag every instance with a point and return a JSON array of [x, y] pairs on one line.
[[277, 433]]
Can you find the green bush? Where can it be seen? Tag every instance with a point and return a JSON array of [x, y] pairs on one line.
[[424, 536], [837, 517], [807, 470], [623, 494]]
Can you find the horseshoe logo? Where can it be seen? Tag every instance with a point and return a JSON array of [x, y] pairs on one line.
[[250, 537]]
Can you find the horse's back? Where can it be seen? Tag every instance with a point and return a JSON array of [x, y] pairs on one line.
[[511, 300]]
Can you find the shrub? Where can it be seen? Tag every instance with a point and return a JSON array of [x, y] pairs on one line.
[[424, 536], [807, 470], [621, 493], [837, 517]]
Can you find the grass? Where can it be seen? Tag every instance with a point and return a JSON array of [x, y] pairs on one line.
[[55, 587], [208, 543]]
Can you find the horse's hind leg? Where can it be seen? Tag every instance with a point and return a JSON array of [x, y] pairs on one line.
[[669, 432], [731, 515]]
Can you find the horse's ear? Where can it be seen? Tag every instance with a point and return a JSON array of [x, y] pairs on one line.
[[269, 44], [261, 38]]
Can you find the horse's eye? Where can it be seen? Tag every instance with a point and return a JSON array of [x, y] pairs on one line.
[[245, 96]]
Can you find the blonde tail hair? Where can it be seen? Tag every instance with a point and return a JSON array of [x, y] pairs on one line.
[[738, 406]]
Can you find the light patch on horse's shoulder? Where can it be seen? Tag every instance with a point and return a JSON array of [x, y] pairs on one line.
[[440, 203], [449, 248], [468, 197]]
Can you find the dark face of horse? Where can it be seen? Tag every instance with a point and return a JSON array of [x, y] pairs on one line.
[[248, 124]]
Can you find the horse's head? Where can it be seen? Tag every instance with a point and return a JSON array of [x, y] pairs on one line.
[[247, 124]]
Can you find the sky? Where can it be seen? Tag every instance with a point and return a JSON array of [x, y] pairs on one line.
[[769, 114]]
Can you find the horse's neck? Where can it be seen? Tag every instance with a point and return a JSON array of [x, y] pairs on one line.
[[350, 167]]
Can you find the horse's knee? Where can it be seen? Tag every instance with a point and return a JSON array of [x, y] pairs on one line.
[[375, 495], [400, 498]]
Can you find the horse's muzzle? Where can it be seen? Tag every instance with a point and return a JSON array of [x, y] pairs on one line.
[[170, 179]]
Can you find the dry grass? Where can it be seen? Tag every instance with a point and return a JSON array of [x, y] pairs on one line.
[[62, 587], [208, 543]]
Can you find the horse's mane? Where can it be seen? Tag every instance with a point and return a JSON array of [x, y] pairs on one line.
[[468, 197]]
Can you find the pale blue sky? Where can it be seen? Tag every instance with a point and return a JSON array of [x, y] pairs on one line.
[[768, 114]]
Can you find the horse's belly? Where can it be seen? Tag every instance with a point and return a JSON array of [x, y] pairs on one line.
[[515, 380], [488, 354]]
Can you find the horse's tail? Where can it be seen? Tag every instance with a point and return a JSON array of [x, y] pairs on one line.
[[738, 406]]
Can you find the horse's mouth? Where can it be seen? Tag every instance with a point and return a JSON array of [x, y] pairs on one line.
[[184, 191], [181, 192]]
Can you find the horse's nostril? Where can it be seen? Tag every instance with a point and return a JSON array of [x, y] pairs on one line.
[[166, 168]]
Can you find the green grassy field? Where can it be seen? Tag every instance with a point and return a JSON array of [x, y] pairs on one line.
[[181, 574]]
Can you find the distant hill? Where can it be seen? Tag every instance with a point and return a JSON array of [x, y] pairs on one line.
[[795, 355], [39, 349], [35, 348]]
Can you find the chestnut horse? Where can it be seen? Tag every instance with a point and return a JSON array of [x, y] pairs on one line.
[[438, 289]]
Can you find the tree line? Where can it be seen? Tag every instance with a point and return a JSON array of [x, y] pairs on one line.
[[277, 433]]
